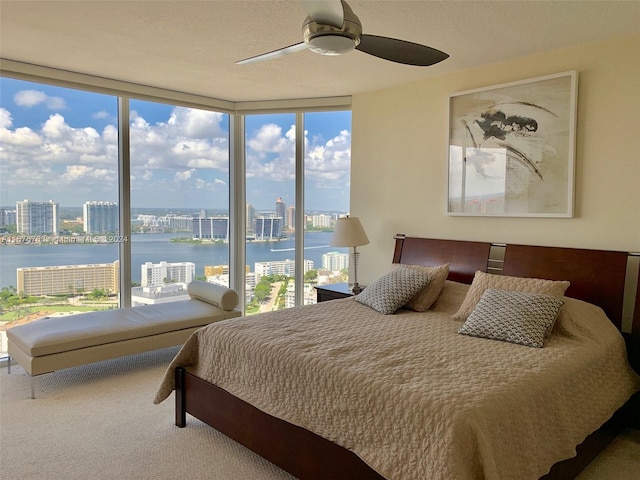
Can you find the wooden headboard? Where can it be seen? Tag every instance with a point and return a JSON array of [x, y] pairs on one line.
[[464, 258], [595, 276]]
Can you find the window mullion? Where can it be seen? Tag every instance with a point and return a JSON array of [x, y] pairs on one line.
[[124, 201], [299, 211], [237, 207]]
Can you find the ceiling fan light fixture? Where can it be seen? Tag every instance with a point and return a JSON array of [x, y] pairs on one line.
[[332, 44]]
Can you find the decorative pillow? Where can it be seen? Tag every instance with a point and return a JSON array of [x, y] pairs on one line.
[[217, 295], [422, 301], [482, 281], [516, 317], [392, 290]]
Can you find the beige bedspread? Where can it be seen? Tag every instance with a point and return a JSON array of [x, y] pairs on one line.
[[412, 397]]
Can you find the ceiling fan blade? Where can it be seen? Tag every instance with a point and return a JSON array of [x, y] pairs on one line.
[[400, 51], [298, 47], [326, 12]]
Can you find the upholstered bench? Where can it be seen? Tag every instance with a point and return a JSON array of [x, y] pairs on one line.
[[54, 343]]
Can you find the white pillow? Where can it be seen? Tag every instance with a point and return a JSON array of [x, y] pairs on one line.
[[516, 317], [216, 295], [394, 289]]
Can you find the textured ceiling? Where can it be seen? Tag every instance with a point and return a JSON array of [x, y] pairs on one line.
[[191, 46]]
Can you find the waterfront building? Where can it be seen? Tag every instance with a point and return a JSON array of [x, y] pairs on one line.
[[213, 228], [180, 223], [68, 279], [7, 217], [100, 217], [335, 261], [37, 217], [157, 274], [267, 228]]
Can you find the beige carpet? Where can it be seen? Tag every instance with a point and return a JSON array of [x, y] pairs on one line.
[[99, 422]]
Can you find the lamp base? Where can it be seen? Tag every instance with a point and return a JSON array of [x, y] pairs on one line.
[[356, 289]]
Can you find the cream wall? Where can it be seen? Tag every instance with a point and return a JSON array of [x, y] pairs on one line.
[[399, 157]]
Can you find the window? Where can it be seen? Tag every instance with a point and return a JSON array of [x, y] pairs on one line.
[[179, 200], [327, 177], [60, 203], [58, 210], [270, 195]]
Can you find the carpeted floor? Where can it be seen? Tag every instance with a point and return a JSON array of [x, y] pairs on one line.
[[99, 422]]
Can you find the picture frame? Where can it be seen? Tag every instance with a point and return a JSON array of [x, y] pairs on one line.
[[512, 148]]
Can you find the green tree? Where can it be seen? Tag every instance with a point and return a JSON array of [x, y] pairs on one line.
[[261, 291]]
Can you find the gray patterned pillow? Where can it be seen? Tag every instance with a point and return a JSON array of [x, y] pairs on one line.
[[516, 317], [422, 301], [392, 290], [482, 281]]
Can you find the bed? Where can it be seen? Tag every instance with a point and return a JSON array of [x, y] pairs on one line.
[[483, 418]]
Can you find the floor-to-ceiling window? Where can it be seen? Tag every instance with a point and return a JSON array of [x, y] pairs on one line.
[[179, 200], [272, 216], [327, 180], [60, 207], [270, 174], [58, 200]]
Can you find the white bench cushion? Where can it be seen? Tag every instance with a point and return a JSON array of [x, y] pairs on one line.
[[61, 334]]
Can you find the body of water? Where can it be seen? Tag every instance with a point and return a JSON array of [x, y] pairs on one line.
[[156, 248]]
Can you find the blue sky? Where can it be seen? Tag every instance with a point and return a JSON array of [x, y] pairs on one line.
[[61, 144]]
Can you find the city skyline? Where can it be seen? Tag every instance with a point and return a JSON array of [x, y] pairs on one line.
[[62, 143]]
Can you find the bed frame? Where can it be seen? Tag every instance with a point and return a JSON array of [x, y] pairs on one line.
[[596, 276]]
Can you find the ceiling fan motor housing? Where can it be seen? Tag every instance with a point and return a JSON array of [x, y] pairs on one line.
[[330, 40]]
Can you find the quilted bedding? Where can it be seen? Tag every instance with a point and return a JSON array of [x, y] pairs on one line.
[[412, 397]]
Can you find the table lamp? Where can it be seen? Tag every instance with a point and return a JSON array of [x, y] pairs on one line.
[[348, 232]]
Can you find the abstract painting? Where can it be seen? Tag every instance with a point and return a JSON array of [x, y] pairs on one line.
[[512, 148]]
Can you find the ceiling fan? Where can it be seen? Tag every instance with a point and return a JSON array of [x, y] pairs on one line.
[[331, 28]]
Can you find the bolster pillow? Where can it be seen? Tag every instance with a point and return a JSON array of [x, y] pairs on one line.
[[217, 295]]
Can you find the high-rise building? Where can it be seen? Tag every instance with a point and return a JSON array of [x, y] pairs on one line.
[[183, 223], [267, 228], [7, 217], [280, 267], [291, 217], [156, 274], [100, 217], [215, 228], [335, 261], [322, 220], [251, 215], [280, 209], [37, 217]]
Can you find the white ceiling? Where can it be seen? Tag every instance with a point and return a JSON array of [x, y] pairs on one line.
[[191, 46]]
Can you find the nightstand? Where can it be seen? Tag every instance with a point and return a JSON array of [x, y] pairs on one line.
[[333, 291]]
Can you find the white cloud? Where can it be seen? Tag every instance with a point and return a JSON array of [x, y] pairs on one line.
[[5, 118], [31, 98], [269, 139], [328, 165], [184, 176]]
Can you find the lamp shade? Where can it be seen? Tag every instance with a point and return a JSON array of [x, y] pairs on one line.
[[348, 232]]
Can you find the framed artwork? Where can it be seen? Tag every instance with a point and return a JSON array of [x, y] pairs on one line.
[[512, 148]]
